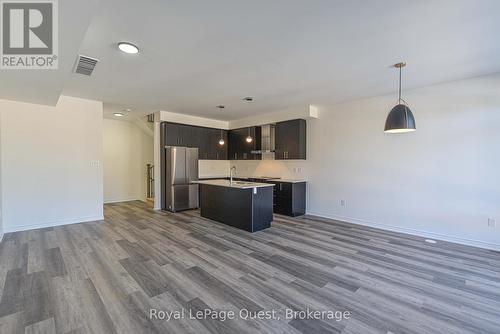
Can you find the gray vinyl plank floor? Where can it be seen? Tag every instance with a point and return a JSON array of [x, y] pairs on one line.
[[109, 276]]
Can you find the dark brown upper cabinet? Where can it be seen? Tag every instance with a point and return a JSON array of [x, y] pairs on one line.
[[221, 151], [290, 140], [239, 148]]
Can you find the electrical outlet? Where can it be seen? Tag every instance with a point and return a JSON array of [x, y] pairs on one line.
[[343, 203], [94, 163], [299, 169], [492, 222]]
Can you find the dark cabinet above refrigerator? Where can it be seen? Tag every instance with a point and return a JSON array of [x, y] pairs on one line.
[[205, 139]]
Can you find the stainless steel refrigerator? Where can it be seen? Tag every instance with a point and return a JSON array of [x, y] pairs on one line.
[[181, 165]]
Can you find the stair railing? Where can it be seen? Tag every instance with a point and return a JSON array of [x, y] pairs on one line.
[[150, 181]]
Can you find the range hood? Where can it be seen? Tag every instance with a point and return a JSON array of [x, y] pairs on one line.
[[267, 142]]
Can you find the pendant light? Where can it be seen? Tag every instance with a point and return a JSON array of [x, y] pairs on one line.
[[400, 118], [221, 140], [249, 138]]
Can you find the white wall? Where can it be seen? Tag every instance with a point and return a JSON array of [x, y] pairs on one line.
[[50, 163], [1, 212], [442, 181], [157, 157], [127, 151]]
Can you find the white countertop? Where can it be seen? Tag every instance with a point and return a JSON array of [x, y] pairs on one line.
[[289, 180], [235, 184], [272, 180]]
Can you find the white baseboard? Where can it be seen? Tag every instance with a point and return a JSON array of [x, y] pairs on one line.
[[122, 200], [10, 229], [420, 233]]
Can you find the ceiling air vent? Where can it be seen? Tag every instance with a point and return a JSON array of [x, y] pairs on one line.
[[85, 65]]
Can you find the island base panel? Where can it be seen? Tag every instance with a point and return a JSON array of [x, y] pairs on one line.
[[240, 208]]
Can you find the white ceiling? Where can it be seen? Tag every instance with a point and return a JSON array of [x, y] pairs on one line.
[[198, 54], [45, 86]]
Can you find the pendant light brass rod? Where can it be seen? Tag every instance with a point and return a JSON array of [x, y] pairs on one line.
[[400, 84]]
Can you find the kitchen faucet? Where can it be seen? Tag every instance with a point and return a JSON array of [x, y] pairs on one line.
[[233, 169]]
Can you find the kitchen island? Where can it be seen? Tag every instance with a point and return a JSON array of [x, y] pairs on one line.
[[244, 205]]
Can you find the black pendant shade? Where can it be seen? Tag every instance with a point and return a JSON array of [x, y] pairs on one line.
[[400, 119]]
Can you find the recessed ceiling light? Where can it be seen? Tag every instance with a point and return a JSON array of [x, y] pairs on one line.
[[221, 106], [118, 114], [248, 99], [127, 110], [128, 47]]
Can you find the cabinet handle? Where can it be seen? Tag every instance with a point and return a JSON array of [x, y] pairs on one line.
[[217, 155], [281, 186]]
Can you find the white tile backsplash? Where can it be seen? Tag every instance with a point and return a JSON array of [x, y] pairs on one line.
[[292, 169], [213, 168]]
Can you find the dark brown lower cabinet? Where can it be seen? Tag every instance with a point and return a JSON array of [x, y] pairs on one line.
[[289, 198]]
